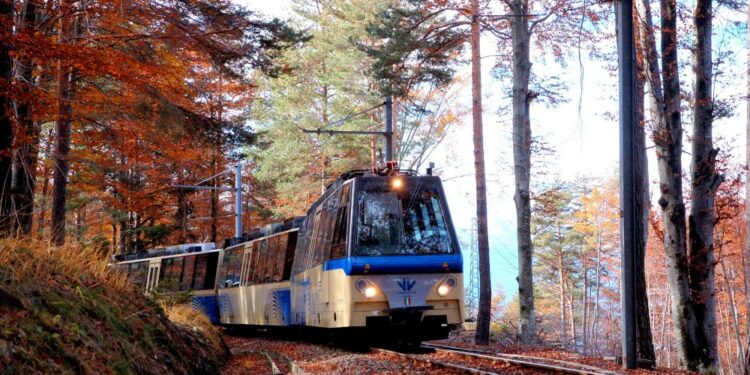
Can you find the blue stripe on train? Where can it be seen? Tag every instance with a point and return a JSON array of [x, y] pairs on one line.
[[397, 264], [207, 304], [283, 298]]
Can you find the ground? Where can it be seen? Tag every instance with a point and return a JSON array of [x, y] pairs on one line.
[[256, 353]]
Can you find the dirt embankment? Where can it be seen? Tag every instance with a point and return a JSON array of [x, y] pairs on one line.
[[63, 310]]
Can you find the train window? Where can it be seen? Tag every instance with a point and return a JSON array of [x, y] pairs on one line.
[[314, 240], [255, 277], [290, 254], [211, 265], [200, 271], [165, 263], [188, 272], [403, 222], [304, 237], [263, 261], [247, 263], [380, 226], [171, 271], [338, 245], [232, 275], [273, 246], [138, 272], [280, 262], [330, 209]]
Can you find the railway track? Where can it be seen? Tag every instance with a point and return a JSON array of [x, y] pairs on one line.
[[549, 364], [488, 361]]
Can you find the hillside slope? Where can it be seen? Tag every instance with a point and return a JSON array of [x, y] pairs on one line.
[[63, 310]]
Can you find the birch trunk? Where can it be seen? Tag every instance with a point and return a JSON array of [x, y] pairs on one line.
[[522, 166], [485, 291], [705, 182]]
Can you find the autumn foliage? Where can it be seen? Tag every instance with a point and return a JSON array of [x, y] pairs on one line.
[[155, 94]]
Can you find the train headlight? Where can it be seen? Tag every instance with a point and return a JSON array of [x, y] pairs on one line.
[[443, 290], [367, 289], [397, 183], [370, 292], [446, 286]]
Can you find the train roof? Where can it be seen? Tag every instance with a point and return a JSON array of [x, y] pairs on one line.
[[264, 231], [166, 251]]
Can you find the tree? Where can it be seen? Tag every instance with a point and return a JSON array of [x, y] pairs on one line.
[[131, 70], [26, 155], [66, 78], [557, 247], [690, 273], [485, 283], [642, 207], [522, 97], [704, 184], [6, 125], [747, 190]]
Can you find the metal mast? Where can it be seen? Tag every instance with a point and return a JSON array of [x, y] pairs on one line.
[[387, 133], [626, 63], [237, 189]]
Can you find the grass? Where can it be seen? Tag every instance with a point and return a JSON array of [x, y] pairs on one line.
[[63, 310]]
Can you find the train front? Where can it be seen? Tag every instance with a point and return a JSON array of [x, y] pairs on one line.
[[404, 267]]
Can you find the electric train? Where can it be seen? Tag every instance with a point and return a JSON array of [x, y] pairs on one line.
[[377, 253]]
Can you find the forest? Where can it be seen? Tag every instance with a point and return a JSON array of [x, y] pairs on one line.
[[108, 106]]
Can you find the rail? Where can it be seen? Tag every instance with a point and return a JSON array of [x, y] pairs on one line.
[[541, 363]]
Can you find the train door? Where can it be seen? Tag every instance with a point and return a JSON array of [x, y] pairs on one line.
[[152, 281], [245, 272]]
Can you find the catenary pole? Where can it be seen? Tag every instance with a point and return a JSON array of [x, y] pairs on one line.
[[626, 63], [388, 128], [238, 200]]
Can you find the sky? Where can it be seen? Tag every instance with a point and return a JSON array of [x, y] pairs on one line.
[[586, 141]]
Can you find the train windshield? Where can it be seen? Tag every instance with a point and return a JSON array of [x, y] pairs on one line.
[[406, 221]]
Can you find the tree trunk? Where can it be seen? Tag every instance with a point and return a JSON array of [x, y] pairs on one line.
[[25, 158], [6, 125], [735, 317], [746, 254], [571, 315], [65, 94], [594, 330], [563, 320], [485, 288], [41, 217], [668, 145], [705, 182], [522, 167], [644, 339], [585, 306]]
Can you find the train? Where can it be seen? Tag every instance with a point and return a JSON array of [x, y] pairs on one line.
[[377, 254]]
